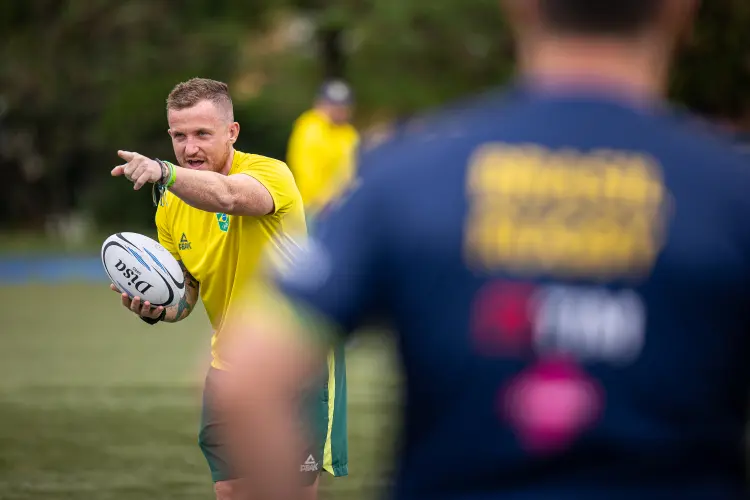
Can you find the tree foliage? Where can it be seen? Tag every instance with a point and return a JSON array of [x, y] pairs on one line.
[[80, 80]]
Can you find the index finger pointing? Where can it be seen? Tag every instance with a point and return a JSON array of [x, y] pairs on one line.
[[126, 155]]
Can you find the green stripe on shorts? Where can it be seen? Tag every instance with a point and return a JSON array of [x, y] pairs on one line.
[[336, 448]]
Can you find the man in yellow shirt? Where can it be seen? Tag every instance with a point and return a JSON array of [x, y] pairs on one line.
[[322, 148], [220, 212]]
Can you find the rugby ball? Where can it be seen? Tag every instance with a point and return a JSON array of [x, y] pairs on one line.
[[141, 267]]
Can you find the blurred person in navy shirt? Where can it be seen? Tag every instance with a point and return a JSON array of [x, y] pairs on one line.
[[567, 268]]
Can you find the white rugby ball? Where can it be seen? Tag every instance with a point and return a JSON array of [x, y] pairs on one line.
[[141, 267]]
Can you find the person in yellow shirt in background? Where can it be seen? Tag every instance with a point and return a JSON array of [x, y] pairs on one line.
[[322, 148]]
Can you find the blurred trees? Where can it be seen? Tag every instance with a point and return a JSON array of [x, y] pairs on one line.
[[81, 79]]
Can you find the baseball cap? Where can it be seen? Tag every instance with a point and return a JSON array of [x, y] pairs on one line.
[[336, 92]]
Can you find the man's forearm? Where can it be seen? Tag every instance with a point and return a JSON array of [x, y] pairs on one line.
[[180, 311], [270, 461], [274, 340], [188, 301], [237, 194], [204, 190]]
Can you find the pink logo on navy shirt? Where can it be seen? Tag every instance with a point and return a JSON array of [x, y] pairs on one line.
[[551, 404]]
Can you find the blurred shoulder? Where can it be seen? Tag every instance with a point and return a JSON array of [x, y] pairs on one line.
[[419, 144], [309, 120], [699, 140]]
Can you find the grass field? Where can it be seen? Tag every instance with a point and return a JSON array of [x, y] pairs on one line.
[[95, 404]]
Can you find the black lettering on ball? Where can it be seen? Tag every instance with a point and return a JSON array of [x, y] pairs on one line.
[[143, 286]]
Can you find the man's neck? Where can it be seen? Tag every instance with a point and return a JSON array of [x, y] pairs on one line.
[[322, 111], [628, 68], [228, 165]]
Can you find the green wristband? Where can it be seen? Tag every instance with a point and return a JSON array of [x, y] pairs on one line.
[[172, 174]]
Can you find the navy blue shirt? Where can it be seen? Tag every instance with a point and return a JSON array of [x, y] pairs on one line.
[[568, 275]]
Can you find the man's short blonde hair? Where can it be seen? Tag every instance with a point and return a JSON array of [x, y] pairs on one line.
[[188, 94]]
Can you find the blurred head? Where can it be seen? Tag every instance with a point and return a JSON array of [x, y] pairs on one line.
[[335, 100], [201, 124], [646, 31]]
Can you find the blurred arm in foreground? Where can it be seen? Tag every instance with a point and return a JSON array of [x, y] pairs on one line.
[[262, 398], [283, 337]]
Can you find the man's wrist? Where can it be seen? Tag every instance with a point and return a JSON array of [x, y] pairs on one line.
[[164, 171], [168, 173], [153, 321]]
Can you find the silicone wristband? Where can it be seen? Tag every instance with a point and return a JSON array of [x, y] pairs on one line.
[[172, 174]]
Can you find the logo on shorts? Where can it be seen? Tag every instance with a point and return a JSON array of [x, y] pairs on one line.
[[310, 465]]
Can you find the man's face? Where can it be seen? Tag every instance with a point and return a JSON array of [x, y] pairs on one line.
[[337, 113], [202, 136], [341, 113]]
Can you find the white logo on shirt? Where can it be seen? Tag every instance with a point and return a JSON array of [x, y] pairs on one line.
[[592, 323]]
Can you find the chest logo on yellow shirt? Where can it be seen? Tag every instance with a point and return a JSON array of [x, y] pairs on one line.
[[185, 243], [223, 220]]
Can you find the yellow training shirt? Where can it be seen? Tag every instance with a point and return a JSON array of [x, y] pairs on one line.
[[321, 156], [224, 251]]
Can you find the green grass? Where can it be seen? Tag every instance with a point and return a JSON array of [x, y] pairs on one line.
[[95, 404]]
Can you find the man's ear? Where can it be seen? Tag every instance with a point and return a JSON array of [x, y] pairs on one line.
[[234, 132]]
